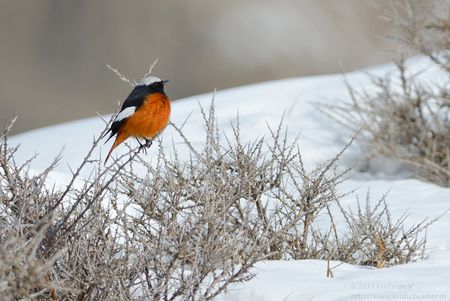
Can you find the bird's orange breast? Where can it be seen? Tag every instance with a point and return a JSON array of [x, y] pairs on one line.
[[149, 119]]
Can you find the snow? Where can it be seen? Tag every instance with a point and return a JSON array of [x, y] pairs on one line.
[[259, 106], [306, 280]]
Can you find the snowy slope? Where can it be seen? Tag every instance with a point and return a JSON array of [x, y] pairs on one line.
[[264, 104]]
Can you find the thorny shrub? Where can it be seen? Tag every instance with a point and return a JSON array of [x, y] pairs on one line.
[[380, 240], [402, 117], [173, 229]]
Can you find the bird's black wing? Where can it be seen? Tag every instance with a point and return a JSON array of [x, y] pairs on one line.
[[135, 99]]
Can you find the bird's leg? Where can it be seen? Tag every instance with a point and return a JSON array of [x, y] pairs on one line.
[[146, 145], [142, 146]]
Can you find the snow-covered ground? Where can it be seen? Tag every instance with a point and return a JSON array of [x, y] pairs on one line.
[[264, 104]]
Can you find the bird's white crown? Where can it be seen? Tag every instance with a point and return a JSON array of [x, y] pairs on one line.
[[148, 80]]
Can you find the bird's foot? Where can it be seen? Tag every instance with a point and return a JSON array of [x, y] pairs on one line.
[[142, 145], [148, 142], [146, 145]]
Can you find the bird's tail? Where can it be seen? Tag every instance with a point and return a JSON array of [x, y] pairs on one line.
[[106, 133], [119, 139]]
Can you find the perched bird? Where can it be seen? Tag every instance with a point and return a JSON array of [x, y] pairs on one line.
[[144, 113]]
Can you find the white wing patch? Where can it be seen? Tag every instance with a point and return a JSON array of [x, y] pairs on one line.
[[125, 113]]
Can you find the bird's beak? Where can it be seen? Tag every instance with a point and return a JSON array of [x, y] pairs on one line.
[[165, 82]]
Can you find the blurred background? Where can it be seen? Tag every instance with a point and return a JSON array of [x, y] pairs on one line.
[[53, 53]]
